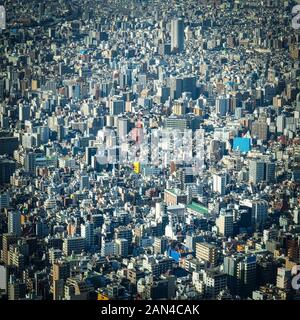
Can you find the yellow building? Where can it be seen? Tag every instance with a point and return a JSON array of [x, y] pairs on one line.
[[137, 167], [34, 84], [102, 297]]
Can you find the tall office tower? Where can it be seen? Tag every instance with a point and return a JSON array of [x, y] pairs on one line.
[[259, 212], [41, 11], [125, 78], [176, 85], [224, 224], [44, 134], [219, 183], [270, 170], [280, 123], [293, 249], [160, 245], [189, 85], [116, 107], [4, 200], [122, 247], [7, 169], [2, 89], [222, 105], [7, 240], [245, 220], [164, 93], [60, 272], [87, 232], [283, 280], [14, 223], [256, 171], [123, 127], [177, 35], [241, 271], [30, 162], [24, 112], [105, 89], [84, 182], [207, 252]]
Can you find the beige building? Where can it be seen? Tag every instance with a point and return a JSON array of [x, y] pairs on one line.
[[207, 252]]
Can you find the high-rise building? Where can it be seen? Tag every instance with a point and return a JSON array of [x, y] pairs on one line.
[[256, 171], [4, 200], [2, 89], [293, 249], [219, 183], [30, 162], [60, 272], [261, 170], [296, 216], [283, 280], [280, 123], [189, 85], [259, 212], [116, 107], [16, 290], [270, 171], [222, 105], [89, 153], [224, 224], [176, 84], [3, 278], [124, 232], [177, 35], [7, 168], [84, 182], [73, 244], [87, 232], [215, 281], [207, 252], [8, 145], [14, 223], [24, 112], [191, 240], [7, 240], [241, 271], [216, 149], [122, 247], [123, 127], [160, 245], [108, 248]]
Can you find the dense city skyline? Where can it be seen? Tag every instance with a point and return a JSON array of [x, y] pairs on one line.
[[149, 150]]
